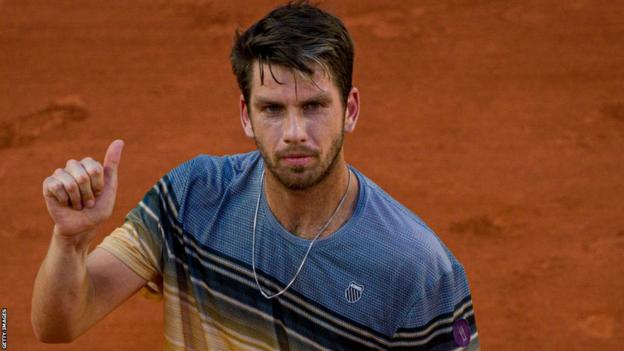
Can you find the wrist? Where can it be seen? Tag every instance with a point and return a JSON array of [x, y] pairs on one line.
[[77, 242]]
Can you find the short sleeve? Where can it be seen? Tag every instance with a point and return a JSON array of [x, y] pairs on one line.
[[442, 319], [139, 242]]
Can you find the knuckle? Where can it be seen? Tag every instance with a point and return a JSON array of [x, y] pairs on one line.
[[82, 178], [94, 170], [71, 186], [56, 187], [48, 181], [70, 162], [46, 186]]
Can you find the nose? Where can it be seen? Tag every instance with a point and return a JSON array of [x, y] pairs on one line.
[[294, 129]]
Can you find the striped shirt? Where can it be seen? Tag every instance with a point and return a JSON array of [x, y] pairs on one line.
[[383, 280]]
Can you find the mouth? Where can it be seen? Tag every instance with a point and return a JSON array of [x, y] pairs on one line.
[[297, 159]]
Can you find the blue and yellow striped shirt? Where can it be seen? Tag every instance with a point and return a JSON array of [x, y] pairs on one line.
[[382, 281]]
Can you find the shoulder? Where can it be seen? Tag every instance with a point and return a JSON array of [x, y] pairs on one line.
[[210, 169], [208, 176], [224, 166], [388, 208], [418, 275], [406, 239], [215, 166]]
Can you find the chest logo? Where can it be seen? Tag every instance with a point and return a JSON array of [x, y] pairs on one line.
[[353, 293]]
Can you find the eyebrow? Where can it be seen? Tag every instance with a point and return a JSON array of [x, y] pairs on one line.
[[322, 98]]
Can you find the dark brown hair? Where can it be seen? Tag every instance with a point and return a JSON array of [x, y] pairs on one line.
[[295, 35]]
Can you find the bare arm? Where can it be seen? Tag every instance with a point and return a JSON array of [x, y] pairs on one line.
[[74, 289]]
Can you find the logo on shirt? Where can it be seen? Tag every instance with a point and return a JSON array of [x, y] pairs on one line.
[[461, 332], [353, 292]]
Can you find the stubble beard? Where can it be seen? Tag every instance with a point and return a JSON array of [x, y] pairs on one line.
[[290, 177]]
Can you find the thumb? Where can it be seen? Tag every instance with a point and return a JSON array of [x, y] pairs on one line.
[[112, 158]]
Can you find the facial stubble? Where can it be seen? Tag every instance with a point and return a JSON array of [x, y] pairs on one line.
[[317, 175]]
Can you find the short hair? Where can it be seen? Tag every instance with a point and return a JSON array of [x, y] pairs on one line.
[[296, 35]]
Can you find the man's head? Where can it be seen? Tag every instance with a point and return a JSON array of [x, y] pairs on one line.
[[294, 69], [297, 36]]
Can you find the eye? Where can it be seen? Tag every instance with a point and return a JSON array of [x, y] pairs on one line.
[[272, 109], [312, 106]]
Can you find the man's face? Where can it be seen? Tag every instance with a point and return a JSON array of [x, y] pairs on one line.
[[298, 125]]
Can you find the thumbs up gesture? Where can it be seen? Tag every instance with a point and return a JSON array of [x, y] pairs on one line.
[[82, 195]]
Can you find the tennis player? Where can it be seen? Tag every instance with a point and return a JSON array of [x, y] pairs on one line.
[[285, 247]]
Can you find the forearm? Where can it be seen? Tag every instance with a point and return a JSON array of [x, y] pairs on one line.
[[62, 291]]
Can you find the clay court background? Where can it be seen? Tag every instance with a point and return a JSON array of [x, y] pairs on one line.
[[500, 123]]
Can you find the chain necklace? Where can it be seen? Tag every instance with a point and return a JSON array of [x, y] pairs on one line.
[[305, 257]]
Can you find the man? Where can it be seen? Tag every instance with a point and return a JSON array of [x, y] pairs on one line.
[[286, 247]]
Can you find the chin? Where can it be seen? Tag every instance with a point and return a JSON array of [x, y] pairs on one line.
[[298, 179]]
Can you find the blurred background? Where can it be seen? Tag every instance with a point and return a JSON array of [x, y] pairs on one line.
[[500, 123]]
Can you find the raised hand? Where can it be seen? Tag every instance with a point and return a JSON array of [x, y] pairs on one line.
[[82, 195]]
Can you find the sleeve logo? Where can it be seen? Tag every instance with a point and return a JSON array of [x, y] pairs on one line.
[[461, 332]]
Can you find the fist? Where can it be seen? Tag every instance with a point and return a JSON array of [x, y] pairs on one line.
[[82, 195]]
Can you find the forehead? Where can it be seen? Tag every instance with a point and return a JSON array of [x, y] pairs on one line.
[[285, 81]]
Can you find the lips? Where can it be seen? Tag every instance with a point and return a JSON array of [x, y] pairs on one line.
[[296, 155], [297, 159]]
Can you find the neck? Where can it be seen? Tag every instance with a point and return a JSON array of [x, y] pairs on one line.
[[305, 212]]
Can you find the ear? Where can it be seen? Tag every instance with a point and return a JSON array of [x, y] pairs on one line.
[[245, 119], [352, 111]]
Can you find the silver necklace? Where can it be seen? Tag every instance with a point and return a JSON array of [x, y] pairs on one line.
[[253, 239]]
